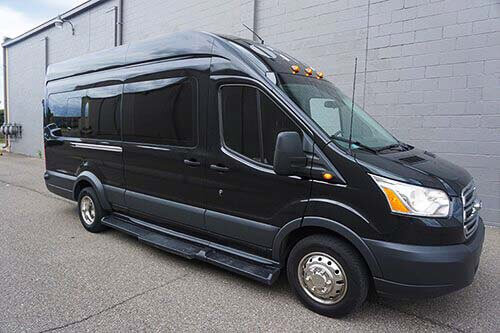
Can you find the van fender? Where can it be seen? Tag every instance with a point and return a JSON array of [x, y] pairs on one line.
[[96, 185], [336, 227]]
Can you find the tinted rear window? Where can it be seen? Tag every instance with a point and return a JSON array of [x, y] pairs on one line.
[[93, 113]]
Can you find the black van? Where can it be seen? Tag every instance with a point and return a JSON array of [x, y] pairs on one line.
[[232, 152]]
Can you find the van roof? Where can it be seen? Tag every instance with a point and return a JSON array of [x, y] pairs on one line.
[[181, 44], [178, 44]]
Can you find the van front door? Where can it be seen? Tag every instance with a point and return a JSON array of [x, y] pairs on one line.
[[246, 200]]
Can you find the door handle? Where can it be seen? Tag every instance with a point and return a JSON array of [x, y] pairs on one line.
[[219, 168], [192, 163]]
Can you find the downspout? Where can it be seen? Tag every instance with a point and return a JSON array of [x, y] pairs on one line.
[[5, 94], [46, 52], [119, 23], [118, 27]]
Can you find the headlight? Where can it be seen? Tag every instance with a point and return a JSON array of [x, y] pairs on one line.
[[413, 200]]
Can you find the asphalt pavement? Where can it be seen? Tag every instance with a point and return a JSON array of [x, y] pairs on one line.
[[55, 276]]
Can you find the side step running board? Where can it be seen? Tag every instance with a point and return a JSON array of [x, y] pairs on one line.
[[193, 248]]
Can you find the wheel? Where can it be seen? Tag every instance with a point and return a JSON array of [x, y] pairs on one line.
[[90, 210], [328, 275]]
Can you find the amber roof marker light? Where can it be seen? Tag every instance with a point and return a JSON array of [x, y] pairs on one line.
[[308, 71], [295, 69], [319, 75]]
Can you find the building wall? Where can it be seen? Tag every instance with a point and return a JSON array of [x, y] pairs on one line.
[[428, 70], [26, 68], [25, 93], [148, 18]]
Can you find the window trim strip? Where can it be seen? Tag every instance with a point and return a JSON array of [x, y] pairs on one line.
[[115, 149]]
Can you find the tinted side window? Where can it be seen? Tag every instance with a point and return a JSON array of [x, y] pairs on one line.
[[101, 113], [93, 113], [240, 122], [251, 122], [161, 112], [274, 121], [63, 114]]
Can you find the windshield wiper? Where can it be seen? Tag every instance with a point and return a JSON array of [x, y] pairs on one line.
[[357, 143]]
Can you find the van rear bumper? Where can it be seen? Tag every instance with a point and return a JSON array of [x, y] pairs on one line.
[[413, 271], [60, 184]]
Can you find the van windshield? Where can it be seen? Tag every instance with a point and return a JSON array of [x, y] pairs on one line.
[[330, 109]]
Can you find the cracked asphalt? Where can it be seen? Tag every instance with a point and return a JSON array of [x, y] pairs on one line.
[[56, 277]]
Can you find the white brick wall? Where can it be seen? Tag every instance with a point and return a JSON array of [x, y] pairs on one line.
[[452, 104], [148, 18], [432, 66]]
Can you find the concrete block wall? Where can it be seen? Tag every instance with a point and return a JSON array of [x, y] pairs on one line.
[[26, 72], [444, 84], [428, 70], [148, 18]]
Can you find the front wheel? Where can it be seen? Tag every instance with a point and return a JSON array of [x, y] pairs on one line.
[[328, 275]]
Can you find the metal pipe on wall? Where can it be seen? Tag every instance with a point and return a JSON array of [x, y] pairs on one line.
[[46, 52], [119, 23], [118, 26], [5, 94]]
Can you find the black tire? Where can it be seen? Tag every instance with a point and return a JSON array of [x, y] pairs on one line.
[[353, 266], [95, 226]]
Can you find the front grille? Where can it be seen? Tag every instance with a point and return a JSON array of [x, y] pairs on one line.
[[470, 214]]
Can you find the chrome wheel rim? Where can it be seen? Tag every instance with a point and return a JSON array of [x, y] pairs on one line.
[[87, 210], [322, 278]]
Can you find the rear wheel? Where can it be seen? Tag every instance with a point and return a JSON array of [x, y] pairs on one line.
[[328, 275], [90, 210]]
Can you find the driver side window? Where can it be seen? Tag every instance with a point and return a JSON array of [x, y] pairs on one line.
[[251, 122]]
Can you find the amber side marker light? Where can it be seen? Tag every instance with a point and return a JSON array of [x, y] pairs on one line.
[[327, 176], [295, 69], [394, 201], [308, 71], [319, 75]]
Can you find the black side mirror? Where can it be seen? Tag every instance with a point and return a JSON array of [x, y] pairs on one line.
[[289, 156]]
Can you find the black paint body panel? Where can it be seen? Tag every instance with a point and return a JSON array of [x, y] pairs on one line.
[[413, 271]]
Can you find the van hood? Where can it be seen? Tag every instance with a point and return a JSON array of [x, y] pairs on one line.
[[417, 167]]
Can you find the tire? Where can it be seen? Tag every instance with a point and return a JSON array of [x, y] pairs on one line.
[[90, 217], [333, 280]]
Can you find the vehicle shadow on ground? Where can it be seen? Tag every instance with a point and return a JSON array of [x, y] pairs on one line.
[[443, 311], [423, 309]]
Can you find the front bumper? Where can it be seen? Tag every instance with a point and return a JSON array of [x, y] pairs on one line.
[[413, 271]]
